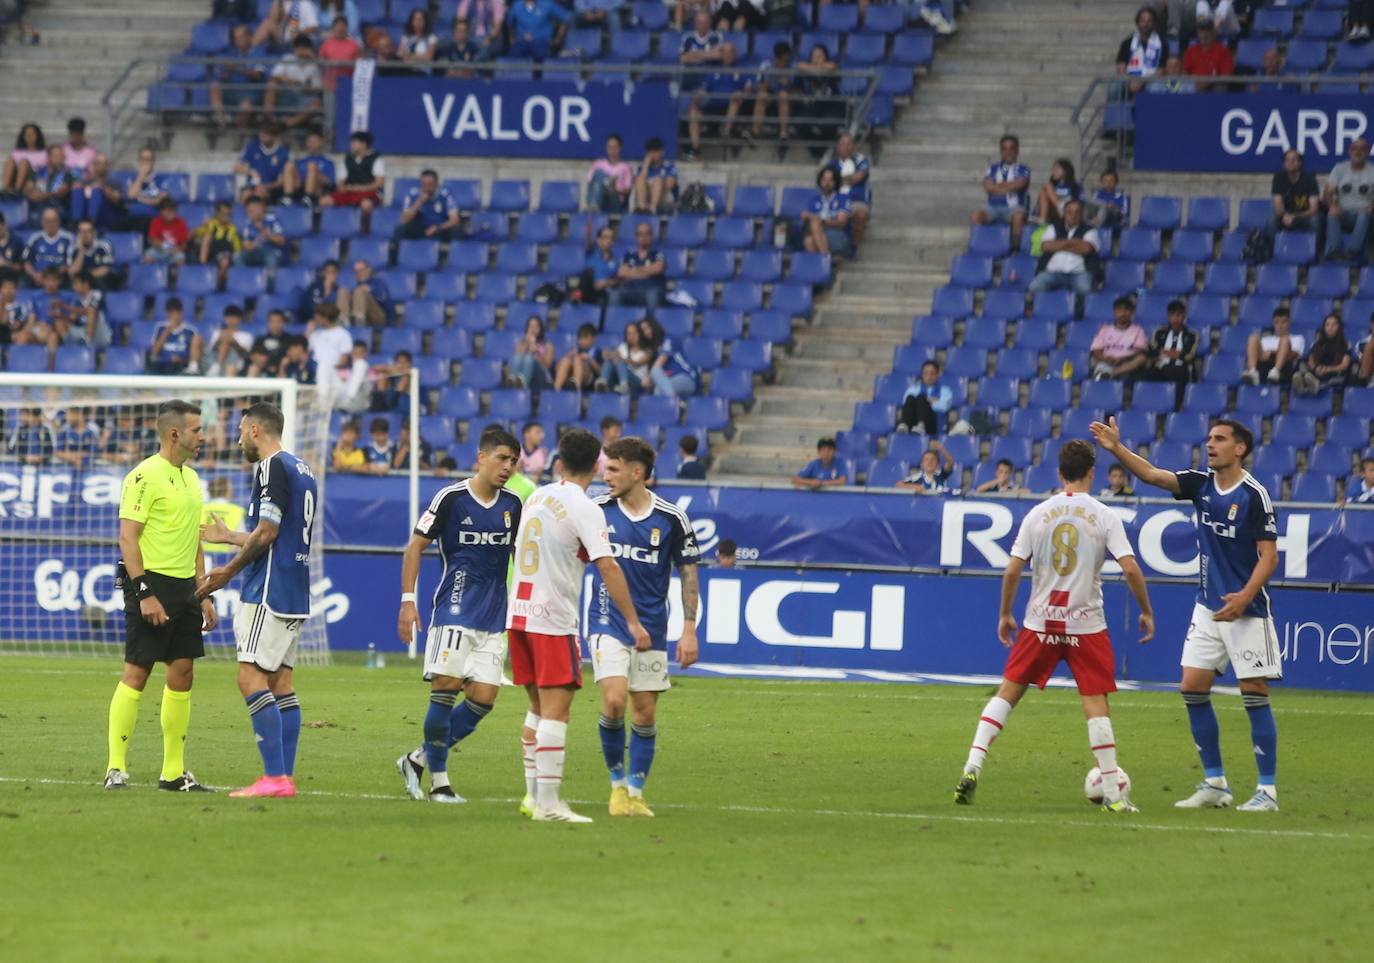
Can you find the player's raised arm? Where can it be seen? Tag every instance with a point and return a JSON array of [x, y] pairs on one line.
[[408, 622], [619, 591], [1109, 437], [691, 599]]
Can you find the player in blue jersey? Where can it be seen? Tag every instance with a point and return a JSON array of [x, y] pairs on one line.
[[1232, 620], [649, 536], [274, 601], [474, 522]]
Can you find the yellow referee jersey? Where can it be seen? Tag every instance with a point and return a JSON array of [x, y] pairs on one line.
[[166, 499]]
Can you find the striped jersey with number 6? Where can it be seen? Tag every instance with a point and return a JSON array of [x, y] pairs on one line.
[[1066, 539]]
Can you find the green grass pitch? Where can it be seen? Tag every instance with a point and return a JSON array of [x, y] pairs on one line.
[[796, 821]]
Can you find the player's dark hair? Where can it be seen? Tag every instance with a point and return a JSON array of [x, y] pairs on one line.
[[585, 330], [496, 436], [825, 443], [403, 353], [633, 449], [1241, 433], [1280, 313], [579, 450], [174, 304], [1007, 462], [330, 312], [1365, 463], [528, 426], [726, 546], [1015, 141], [611, 421], [268, 416], [1177, 306], [1124, 301], [688, 444], [1076, 460], [781, 49], [1117, 466], [361, 135], [652, 144], [430, 172], [379, 424], [172, 414], [233, 311]]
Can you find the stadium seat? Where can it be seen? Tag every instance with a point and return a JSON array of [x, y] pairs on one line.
[[755, 357], [1305, 56], [915, 48], [422, 315], [765, 266], [1017, 271], [794, 299], [147, 278], [418, 255], [484, 374], [1313, 486], [1052, 306], [1274, 22], [1175, 277], [1299, 431], [26, 358], [1137, 426], [316, 250], [1257, 400], [1191, 245], [1276, 280], [246, 282], [712, 414], [860, 49], [1209, 398], [677, 323], [1123, 277], [704, 353], [1329, 458], [1295, 247], [990, 240], [1015, 450], [1171, 455], [1076, 422], [971, 271], [500, 344], [1155, 397], [516, 257], [1160, 213], [774, 327], [1223, 369], [1328, 281], [209, 38], [497, 288], [1038, 335], [998, 393], [340, 222], [989, 333], [1022, 364], [510, 196], [1030, 423], [810, 268], [753, 201], [194, 280], [733, 233], [559, 197], [724, 324], [510, 405], [384, 222], [1080, 336], [1275, 459], [74, 359], [874, 417], [538, 227], [1106, 395], [475, 316], [933, 331], [1000, 304], [1209, 214], [1347, 429], [685, 231], [966, 362], [1351, 58], [715, 265], [1139, 243], [402, 284], [1256, 311], [628, 47], [375, 251], [1308, 312], [1050, 393]]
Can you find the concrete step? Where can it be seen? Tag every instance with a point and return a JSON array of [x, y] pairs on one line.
[[793, 434], [826, 374], [824, 405]]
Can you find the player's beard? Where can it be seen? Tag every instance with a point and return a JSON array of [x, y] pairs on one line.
[[250, 452]]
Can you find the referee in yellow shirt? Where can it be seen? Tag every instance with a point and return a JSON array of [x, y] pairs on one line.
[[161, 561]]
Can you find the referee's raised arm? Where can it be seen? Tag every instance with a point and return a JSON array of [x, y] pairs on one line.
[[161, 557]]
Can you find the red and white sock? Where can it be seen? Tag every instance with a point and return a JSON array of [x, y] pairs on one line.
[[548, 761], [1103, 742], [990, 725], [527, 743]]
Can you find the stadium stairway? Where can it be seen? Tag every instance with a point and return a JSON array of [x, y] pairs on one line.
[[1015, 66], [85, 47]]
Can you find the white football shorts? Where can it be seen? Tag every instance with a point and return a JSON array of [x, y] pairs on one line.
[[466, 654], [646, 671], [264, 639], [1249, 645]]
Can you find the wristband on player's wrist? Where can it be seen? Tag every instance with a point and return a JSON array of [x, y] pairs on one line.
[[142, 590], [407, 597]]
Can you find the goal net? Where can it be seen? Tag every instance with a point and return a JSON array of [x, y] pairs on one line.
[[66, 442]]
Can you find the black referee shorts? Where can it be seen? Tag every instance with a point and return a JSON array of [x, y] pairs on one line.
[[178, 638]]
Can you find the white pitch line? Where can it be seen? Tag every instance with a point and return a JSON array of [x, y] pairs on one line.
[[1114, 823]]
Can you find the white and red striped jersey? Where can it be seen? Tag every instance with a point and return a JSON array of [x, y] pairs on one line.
[[561, 530], [1066, 538]]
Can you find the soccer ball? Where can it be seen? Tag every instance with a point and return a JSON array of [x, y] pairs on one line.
[[1092, 785]]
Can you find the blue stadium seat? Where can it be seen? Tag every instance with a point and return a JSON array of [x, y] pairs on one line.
[[1076, 422], [1001, 304], [147, 278], [764, 266], [870, 416], [810, 268], [908, 448], [1209, 214], [1352, 58], [1037, 335], [985, 333], [538, 227], [497, 288], [1233, 340], [1139, 243], [861, 49], [123, 307], [1017, 271], [677, 322], [1191, 245], [1050, 393], [340, 222], [714, 265], [26, 358], [1328, 457], [1020, 363], [400, 339], [215, 187], [402, 284], [991, 240], [966, 362], [753, 201], [1312, 406], [1274, 22], [1313, 486], [1233, 244], [559, 197], [888, 18], [1160, 213], [1175, 277], [448, 285], [1137, 426], [1250, 53], [1097, 308], [629, 46], [884, 472], [915, 48], [466, 191], [1172, 455], [1276, 280], [437, 431], [1205, 397], [649, 14], [610, 405], [724, 324], [752, 356], [1052, 306], [933, 330], [1255, 213], [895, 80], [194, 280], [774, 327], [971, 271], [1015, 450], [1305, 56], [794, 201], [1351, 428], [1262, 400], [998, 393], [510, 196], [1077, 362], [376, 251], [712, 414], [1308, 312], [733, 384], [1223, 369], [1328, 280], [1228, 280], [1106, 395], [316, 250], [1123, 277], [246, 282], [510, 404], [705, 353], [516, 257], [1276, 460], [209, 38], [74, 359], [1209, 310], [1156, 397], [565, 259], [1030, 423], [685, 231], [469, 257], [1295, 247], [908, 359], [838, 19], [423, 315], [123, 361], [792, 298], [418, 255], [1299, 431], [483, 374], [962, 448], [1080, 336], [1256, 311]]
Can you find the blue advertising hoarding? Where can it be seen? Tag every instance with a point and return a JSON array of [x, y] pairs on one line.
[[503, 118], [1246, 132]]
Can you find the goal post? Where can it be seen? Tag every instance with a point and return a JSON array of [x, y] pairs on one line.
[[66, 443]]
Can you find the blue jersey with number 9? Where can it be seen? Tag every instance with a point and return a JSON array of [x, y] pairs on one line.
[[284, 493]]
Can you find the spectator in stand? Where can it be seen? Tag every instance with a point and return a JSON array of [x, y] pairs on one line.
[[534, 457], [777, 79], [852, 168], [1173, 350], [383, 50], [331, 10], [297, 363], [626, 371], [89, 327], [1229, 19], [79, 152], [230, 345], [392, 390], [925, 403], [217, 241], [1271, 65], [312, 177], [78, 442], [601, 14], [1144, 53], [672, 374], [263, 164], [721, 92], [1120, 349], [689, 466], [1329, 359], [826, 219], [340, 46], [369, 301], [30, 153], [656, 179], [428, 211], [601, 270], [51, 247], [355, 388], [581, 366], [640, 278], [1113, 204], [288, 21], [264, 239], [1208, 57], [1273, 356], [612, 428], [726, 551], [17, 323], [487, 19], [418, 42], [400, 455], [751, 15], [329, 341], [1007, 185], [1360, 18], [11, 254], [364, 176], [610, 179], [147, 190], [54, 309], [1361, 488], [269, 348], [1170, 80], [820, 109], [51, 184], [1003, 481], [533, 359], [377, 454], [931, 476], [1118, 483], [700, 48], [31, 441], [1349, 200], [347, 456], [168, 235], [1363, 358], [1068, 259], [461, 51], [294, 86], [238, 84], [823, 471], [537, 28], [177, 347], [1295, 197], [96, 198], [1061, 188], [93, 256]]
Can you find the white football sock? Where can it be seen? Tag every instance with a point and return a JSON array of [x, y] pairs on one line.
[[438, 780], [548, 761], [990, 725], [527, 745], [1103, 742]]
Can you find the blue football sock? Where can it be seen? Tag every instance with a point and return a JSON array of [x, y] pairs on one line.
[[464, 719], [1206, 734], [643, 740], [613, 747], [266, 718], [290, 708], [436, 729], [1264, 735]]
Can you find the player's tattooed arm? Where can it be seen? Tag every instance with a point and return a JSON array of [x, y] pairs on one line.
[[691, 598], [257, 544]]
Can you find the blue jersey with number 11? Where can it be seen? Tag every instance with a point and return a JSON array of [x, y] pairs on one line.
[[284, 493]]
